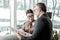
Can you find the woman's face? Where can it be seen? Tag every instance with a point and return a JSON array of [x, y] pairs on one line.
[[30, 17]]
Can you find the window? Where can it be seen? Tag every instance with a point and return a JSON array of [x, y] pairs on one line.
[[1, 3], [4, 16], [13, 12], [53, 6], [22, 6], [4, 3]]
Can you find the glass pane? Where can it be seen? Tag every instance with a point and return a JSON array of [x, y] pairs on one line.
[[4, 17]]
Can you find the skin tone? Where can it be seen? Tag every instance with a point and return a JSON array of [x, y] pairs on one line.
[[37, 11], [21, 32], [30, 17]]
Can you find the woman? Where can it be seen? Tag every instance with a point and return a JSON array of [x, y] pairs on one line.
[[28, 25]]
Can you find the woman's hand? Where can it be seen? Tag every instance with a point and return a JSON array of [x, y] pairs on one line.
[[23, 33], [19, 36]]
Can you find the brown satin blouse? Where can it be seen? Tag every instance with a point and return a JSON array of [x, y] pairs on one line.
[[28, 26]]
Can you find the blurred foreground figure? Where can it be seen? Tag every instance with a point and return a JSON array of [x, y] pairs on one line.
[[55, 35]]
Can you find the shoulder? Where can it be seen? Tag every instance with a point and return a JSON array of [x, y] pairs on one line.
[[43, 19], [25, 22]]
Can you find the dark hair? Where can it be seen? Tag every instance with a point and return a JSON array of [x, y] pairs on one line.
[[42, 6], [29, 11], [49, 14]]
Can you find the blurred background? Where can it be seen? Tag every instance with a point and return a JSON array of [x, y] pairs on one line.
[[12, 14]]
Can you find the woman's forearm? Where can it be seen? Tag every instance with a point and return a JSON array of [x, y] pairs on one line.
[[23, 33]]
